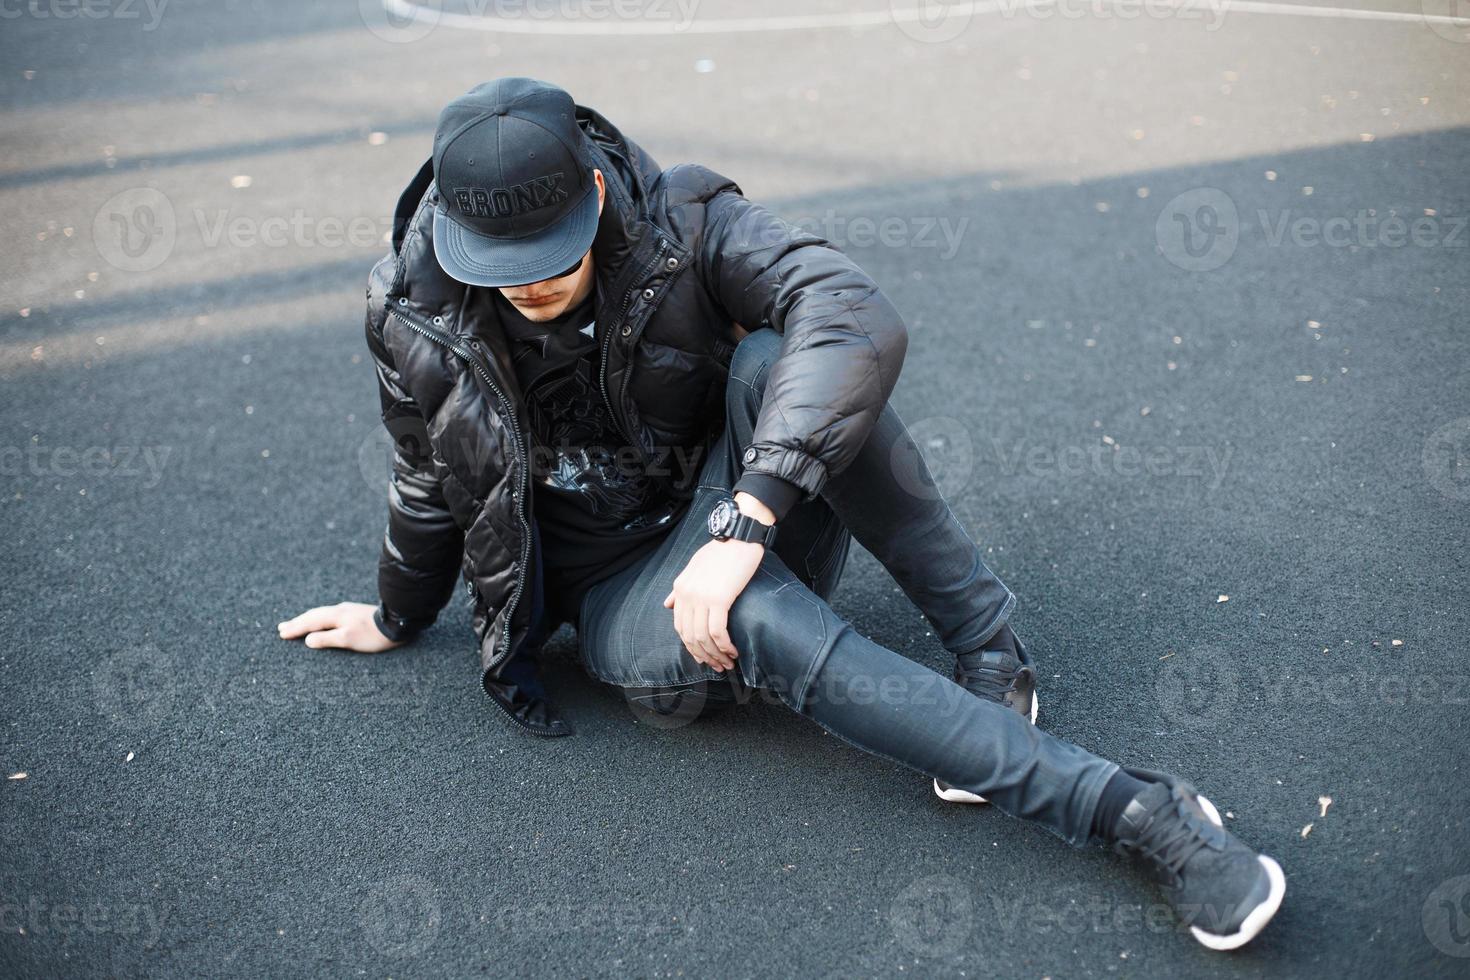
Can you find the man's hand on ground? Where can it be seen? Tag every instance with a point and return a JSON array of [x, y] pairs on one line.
[[709, 585], [345, 626]]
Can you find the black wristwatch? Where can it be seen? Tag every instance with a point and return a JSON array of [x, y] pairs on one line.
[[726, 522]]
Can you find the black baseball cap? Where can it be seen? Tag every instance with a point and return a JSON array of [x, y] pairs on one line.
[[517, 199]]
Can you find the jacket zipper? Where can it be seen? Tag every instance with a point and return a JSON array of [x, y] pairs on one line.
[[444, 340]]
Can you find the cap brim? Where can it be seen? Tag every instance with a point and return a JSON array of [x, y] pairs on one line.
[[481, 260]]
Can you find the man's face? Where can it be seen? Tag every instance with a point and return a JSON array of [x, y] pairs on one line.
[[550, 298]]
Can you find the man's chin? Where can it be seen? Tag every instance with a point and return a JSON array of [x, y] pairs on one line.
[[541, 313]]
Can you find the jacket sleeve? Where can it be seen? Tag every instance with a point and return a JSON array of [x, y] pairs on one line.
[[422, 545], [843, 343]]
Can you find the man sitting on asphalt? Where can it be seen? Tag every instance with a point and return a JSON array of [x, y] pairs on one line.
[[608, 386]]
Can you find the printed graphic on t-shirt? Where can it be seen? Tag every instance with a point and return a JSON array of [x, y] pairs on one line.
[[581, 451]]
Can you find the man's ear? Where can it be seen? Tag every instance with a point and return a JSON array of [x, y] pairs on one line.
[[601, 188]]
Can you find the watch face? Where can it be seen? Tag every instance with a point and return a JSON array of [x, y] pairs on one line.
[[721, 516]]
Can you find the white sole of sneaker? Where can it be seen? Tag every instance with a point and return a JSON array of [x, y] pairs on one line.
[[956, 795], [1259, 916]]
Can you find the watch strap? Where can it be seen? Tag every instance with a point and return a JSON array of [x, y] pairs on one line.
[[747, 528]]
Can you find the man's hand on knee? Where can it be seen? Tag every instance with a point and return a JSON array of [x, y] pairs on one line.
[[703, 594]]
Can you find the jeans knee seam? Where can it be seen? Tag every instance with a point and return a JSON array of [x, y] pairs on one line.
[[753, 384], [824, 648], [759, 570]]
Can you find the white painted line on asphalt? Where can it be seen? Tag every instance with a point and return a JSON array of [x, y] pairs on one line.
[[925, 12], [416, 10], [1341, 13]]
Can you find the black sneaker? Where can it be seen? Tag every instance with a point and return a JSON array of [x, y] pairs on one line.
[[995, 675], [1224, 891]]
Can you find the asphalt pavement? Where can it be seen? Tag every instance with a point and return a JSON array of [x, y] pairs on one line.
[[1187, 292]]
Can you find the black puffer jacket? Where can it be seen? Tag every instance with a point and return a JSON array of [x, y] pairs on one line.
[[682, 258]]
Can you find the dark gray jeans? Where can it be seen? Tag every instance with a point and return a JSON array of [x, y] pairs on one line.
[[792, 644]]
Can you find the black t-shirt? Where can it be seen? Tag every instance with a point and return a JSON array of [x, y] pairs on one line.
[[596, 510]]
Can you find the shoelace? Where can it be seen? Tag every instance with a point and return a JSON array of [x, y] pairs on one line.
[[1169, 839]]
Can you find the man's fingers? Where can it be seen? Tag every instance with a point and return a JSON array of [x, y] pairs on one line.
[[716, 656], [719, 622], [694, 620], [681, 614], [320, 618], [686, 623], [328, 639], [681, 624], [691, 622]]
